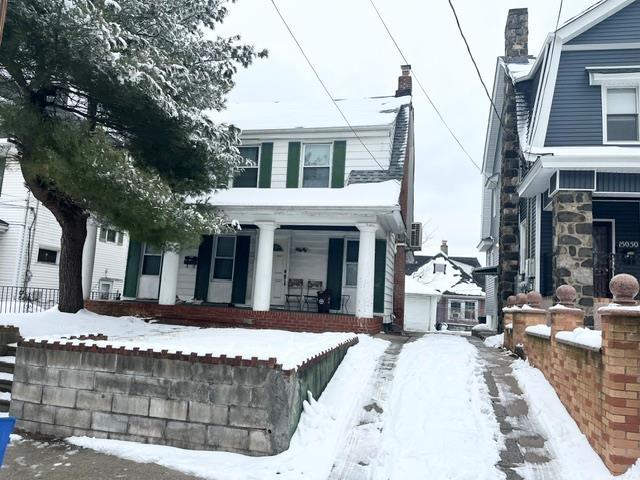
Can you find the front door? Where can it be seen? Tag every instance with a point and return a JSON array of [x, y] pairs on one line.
[[279, 273], [149, 285], [602, 257]]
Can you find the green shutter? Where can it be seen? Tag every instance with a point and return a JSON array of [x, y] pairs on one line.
[[132, 271], [241, 270], [293, 164], [266, 161], [379, 276], [339, 158], [334, 271], [204, 267], [2, 167]]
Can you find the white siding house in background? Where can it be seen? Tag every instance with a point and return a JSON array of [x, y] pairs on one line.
[[30, 241]]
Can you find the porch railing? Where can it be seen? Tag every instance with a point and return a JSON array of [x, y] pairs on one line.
[[35, 299], [607, 265]]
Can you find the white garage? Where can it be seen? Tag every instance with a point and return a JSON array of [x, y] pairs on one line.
[[420, 306]]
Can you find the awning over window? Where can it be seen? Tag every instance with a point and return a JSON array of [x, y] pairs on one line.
[[4, 226], [486, 271]]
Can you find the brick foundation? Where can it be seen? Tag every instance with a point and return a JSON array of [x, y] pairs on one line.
[[205, 315]]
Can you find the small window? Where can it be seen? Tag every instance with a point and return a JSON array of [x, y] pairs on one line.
[[455, 310], [248, 178], [622, 115], [316, 168], [151, 260], [47, 256], [109, 235], [439, 268], [225, 255], [469, 310], [351, 263]]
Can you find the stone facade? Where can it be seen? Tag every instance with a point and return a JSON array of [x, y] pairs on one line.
[[516, 33], [573, 246], [187, 401]]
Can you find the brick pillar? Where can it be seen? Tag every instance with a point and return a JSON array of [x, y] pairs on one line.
[[573, 246], [532, 314], [620, 385], [518, 324], [398, 286], [507, 313], [564, 317]]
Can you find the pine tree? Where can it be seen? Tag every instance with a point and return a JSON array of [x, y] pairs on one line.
[[106, 105]]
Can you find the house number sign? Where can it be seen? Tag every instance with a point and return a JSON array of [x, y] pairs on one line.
[[628, 244]]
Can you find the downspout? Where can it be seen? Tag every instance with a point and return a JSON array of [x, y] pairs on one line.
[[32, 231], [20, 252]]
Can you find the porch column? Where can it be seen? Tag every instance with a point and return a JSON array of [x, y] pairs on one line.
[[88, 258], [169, 278], [264, 267], [366, 270]]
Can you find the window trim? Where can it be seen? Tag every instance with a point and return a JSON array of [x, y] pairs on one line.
[[302, 166], [51, 249], [145, 254], [608, 81], [105, 239], [215, 256], [463, 306], [259, 147], [346, 249]]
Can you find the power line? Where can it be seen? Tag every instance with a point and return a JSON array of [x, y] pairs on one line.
[[324, 86], [424, 91]]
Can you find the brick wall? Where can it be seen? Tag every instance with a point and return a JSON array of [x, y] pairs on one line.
[[600, 388], [205, 315], [187, 401]]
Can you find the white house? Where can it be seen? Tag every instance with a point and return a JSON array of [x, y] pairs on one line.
[[30, 241], [323, 208]]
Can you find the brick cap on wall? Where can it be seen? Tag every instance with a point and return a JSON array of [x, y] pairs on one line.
[[193, 357]]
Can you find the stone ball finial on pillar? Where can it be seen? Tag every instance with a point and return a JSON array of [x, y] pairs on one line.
[[511, 301], [624, 288], [521, 299], [567, 295], [534, 299]]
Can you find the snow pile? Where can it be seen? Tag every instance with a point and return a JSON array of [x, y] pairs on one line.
[[440, 422], [573, 456], [370, 195], [323, 426], [290, 348], [539, 330], [582, 337], [481, 327], [380, 111], [495, 341], [442, 275]]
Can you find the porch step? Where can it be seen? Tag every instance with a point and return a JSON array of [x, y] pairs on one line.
[[7, 364], [5, 385], [4, 405], [12, 349]]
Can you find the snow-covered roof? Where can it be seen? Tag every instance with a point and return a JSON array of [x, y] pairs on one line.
[[413, 286], [369, 195], [312, 114], [445, 277], [519, 70]]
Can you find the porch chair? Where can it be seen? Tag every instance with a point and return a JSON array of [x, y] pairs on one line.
[[294, 293], [311, 298]]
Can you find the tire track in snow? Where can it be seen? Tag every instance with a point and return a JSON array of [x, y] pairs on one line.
[[364, 440]]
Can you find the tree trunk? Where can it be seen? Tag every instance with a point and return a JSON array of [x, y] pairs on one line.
[[73, 222]]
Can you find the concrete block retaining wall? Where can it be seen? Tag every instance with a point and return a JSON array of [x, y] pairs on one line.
[[187, 401]]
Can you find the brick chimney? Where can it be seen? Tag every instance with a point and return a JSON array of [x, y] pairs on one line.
[[516, 35], [404, 81], [444, 248]]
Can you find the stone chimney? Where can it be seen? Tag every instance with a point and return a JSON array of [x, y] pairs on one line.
[[516, 35], [404, 81], [444, 248]]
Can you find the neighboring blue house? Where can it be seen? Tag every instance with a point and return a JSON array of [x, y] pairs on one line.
[[564, 176]]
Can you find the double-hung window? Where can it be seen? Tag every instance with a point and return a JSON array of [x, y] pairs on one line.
[[109, 235], [248, 178], [223, 261], [622, 114], [351, 263], [316, 165], [151, 260]]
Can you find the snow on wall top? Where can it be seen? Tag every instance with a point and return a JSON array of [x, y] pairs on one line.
[[518, 71], [371, 195], [444, 277], [376, 111]]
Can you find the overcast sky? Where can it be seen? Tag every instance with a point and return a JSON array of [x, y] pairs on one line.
[[354, 56]]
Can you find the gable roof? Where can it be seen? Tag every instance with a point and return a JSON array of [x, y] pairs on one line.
[[467, 264], [453, 279]]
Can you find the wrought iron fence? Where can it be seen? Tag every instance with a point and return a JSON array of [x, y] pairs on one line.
[[27, 299], [606, 265], [33, 299]]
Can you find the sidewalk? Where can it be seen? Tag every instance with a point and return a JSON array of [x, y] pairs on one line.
[[28, 459]]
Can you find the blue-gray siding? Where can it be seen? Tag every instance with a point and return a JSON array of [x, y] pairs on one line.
[[576, 112], [618, 182], [577, 179], [621, 27], [546, 253], [627, 229]]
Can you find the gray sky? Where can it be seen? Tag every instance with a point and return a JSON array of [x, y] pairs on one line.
[[354, 56]]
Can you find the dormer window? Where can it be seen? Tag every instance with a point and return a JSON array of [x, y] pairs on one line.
[[316, 165], [248, 178], [622, 114]]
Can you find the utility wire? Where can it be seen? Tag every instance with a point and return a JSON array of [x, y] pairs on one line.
[[335, 103], [424, 91], [475, 64]]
